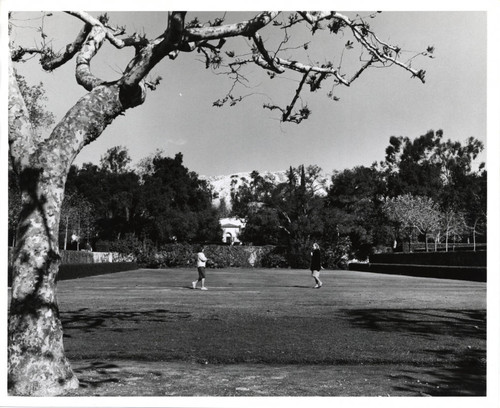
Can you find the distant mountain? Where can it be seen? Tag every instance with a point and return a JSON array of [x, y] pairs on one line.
[[222, 184]]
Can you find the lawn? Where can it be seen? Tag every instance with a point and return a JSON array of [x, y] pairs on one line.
[[268, 332]]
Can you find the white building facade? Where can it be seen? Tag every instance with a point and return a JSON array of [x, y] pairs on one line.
[[231, 230]]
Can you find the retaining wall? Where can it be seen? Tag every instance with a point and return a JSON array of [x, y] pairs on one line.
[[76, 271], [79, 264], [469, 266]]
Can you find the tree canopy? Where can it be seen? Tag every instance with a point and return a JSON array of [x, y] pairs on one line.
[[411, 194]]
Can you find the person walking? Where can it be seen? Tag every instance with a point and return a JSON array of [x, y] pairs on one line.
[[201, 262], [316, 265]]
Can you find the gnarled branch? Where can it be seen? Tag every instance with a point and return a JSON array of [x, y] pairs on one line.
[[287, 116], [90, 48], [243, 29], [361, 33]]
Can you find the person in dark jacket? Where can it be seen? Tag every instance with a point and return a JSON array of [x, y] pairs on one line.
[[316, 265]]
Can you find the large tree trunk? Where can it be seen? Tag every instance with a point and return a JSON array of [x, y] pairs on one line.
[[37, 365]]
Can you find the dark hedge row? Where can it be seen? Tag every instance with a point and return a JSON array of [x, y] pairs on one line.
[[69, 257], [432, 258], [452, 247], [468, 273], [225, 256], [470, 266], [75, 271], [219, 256]]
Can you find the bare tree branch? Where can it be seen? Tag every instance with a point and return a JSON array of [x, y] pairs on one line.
[[290, 107], [287, 116], [18, 53], [93, 43], [269, 61], [91, 21], [49, 59], [361, 32], [244, 28], [71, 49], [180, 37], [360, 71]]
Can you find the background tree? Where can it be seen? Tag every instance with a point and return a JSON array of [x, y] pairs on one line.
[[35, 97], [223, 210], [249, 195], [357, 195], [262, 227], [37, 364], [451, 224], [443, 170], [413, 214], [299, 208], [116, 160], [77, 218], [412, 166], [114, 196], [177, 205], [476, 206]]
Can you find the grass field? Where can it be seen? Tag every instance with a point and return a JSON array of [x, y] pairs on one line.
[[268, 332]]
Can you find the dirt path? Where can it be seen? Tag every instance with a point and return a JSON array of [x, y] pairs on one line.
[[134, 378]]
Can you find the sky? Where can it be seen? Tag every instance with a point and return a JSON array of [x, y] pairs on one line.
[[353, 131]]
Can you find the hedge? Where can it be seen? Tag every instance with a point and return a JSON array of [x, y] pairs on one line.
[[469, 266], [84, 257], [76, 257], [468, 273], [76, 271], [452, 247], [432, 258], [219, 256]]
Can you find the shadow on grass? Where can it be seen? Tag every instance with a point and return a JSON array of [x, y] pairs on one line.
[[467, 377], [87, 320], [102, 374], [462, 373], [423, 322]]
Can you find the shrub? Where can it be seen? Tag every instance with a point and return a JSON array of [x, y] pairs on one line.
[[102, 246], [298, 255], [337, 256], [233, 256], [220, 256], [225, 256], [76, 257], [274, 260], [174, 255]]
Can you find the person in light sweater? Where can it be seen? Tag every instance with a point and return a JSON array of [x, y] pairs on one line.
[[201, 262]]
